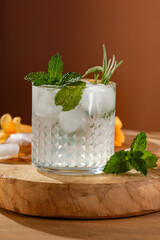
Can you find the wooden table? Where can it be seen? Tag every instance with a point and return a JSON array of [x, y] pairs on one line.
[[20, 227]]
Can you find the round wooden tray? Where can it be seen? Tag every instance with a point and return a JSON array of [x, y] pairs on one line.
[[25, 190]]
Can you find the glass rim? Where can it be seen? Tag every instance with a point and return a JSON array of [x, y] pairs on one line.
[[111, 84]]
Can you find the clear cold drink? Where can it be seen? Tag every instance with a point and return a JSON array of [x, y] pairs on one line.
[[79, 141]]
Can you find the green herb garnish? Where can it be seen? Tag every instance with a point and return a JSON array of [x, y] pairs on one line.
[[107, 69], [55, 69], [137, 158], [69, 96], [71, 85], [37, 78], [54, 75], [70, 78]]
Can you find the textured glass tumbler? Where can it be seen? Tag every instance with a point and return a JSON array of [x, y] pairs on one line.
[[75, 142]]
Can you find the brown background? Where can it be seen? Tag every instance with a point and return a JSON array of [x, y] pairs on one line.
[[34, 30]]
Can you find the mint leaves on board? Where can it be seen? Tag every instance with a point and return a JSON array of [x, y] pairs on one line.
[[54, 75], [118, 163], [139, 143], [137, 158], [107, 69]]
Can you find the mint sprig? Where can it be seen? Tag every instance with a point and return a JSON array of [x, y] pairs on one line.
[[137, 158], [54, 75], [71, 85], [107, 69]]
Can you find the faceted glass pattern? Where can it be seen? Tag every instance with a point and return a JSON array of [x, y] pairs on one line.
[[60, 143]]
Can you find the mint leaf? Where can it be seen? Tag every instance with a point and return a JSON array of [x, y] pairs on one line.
[[37, 78], [118, 163], [137, 158], [138, 162], [69, 96], [54, 76], [55, 68], [150, 159], [139, 143], [69, 78]]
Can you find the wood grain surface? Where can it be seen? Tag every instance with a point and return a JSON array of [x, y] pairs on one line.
[[15, 226], [25, 190]]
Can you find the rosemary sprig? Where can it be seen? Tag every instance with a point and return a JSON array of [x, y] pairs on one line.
[[107, 69]]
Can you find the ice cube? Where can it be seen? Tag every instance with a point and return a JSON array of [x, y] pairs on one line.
[[9, 150], [72, 120], [20, 138], [23, 140], [46, 107], [98, 99]]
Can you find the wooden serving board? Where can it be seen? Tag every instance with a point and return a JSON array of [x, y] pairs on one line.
[[25, 190]]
